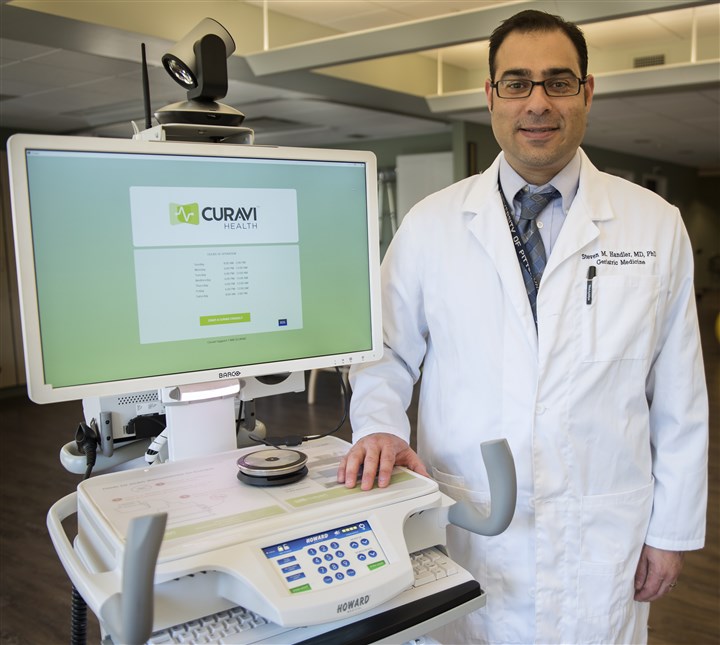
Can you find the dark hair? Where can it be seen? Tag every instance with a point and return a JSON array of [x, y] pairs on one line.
[[532, 20]]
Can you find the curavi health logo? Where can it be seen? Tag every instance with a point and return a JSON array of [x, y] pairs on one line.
[[233, 216], [185, 214]]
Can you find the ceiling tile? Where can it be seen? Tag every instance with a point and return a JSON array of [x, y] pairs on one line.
[[49, 77], [17, 50], [418, 9], [94, 65]]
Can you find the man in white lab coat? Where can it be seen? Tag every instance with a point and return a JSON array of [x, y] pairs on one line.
[[599, 389]]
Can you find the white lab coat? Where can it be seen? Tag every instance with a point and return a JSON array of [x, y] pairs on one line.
[[604, 408]]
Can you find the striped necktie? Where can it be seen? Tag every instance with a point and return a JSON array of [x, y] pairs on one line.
[[531, 207]]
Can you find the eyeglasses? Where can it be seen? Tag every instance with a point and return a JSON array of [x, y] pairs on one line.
[[521, 88]]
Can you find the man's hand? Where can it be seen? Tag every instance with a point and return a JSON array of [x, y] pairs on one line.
[[656, 573], [377, 454]]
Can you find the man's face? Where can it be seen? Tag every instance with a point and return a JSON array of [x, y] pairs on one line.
[[539, 134]]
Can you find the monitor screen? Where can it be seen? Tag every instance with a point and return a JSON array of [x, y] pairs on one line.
[[152, 264]]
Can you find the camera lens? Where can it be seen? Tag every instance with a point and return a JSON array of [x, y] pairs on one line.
[[180, 72]]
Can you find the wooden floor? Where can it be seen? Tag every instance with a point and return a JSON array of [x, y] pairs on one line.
[[35, 592]]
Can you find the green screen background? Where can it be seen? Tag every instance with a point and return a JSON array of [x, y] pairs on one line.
[[82, 237]]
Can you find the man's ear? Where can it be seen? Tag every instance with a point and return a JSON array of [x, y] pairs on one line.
[[489, 94], [589, 90]]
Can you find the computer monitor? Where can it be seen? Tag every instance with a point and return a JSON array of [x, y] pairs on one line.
[[187, 267]]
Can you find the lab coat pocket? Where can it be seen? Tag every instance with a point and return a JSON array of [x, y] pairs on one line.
[[455, 486], [613, 531], [463, 545], [619, 321]]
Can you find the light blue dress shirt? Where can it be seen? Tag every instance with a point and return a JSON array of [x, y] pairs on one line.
[[552, 217]]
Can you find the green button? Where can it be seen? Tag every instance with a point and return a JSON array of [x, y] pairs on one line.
[[376, 565], [224, 319], [305, 587]]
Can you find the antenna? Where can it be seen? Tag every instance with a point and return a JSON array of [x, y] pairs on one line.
[[146, 88]]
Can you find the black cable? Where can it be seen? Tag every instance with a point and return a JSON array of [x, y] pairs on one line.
[[346, 410], [238, 421], [145, 426], [86, 440], [78, 634], [276, 442]]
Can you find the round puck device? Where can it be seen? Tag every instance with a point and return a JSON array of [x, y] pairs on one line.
[[272, 467]]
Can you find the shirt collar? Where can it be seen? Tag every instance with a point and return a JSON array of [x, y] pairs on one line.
[[565, 182]]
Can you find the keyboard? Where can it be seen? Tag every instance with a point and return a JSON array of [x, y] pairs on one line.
[[223, 627], [435, 573]]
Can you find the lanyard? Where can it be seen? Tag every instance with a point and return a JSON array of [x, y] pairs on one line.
[[517, 240]]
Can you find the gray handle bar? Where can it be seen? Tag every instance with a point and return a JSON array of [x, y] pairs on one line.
[[500, 468], [130, 613]]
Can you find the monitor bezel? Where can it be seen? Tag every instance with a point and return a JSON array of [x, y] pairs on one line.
[[41, 392]]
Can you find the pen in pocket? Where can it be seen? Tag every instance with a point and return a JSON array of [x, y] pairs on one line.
[[588, 289]]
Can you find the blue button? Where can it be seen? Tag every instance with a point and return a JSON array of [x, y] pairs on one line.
[[350, 572], [354, 544], [286, 560], [334, 545], [328, 556], [312, 551], [372, 553], [292, 567], [364, 541], [323, 548], [317, 560], [340, 576], [334, 566], [322, 569], [294, 577], [327, 580], [345, 563], [340, 554], [362, 556]]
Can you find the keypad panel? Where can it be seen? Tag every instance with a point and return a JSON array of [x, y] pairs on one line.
[[328, 558]]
